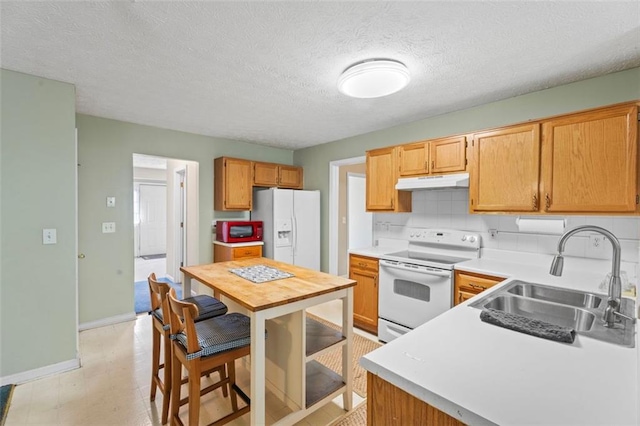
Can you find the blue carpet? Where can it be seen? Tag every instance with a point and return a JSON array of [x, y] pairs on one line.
[[5, 400], [142, 302]]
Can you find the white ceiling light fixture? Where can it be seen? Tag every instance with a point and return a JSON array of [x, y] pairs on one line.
[[374, 78]]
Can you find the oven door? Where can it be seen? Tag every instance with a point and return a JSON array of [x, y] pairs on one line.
[[411, 295]]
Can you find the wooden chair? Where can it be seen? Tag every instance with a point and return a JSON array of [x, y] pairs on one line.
[[204, 346], [209, 307]]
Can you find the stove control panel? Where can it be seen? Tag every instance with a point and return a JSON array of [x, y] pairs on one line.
[[450, 237]]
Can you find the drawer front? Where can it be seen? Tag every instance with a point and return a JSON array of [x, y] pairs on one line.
[[245, 252], [363, 263], [475, 284]]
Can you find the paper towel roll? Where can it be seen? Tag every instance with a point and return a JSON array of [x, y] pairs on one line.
[[536, 225]]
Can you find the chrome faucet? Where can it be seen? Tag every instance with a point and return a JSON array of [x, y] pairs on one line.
[[615, 283]]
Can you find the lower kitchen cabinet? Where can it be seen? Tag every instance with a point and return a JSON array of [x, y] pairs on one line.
[[364, 270], [389, 405], [468, 284], [226, 252]]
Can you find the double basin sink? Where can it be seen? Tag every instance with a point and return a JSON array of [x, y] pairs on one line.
[[579, 310]]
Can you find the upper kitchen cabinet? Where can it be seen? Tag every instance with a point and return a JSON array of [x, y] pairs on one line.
[[432, 157], [382, 176], [590, 161], [505, 170], [280, 175], [413, 159], [290, 177], [448, 154], [232, 184]]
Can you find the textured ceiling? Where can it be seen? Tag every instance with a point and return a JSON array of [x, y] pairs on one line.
[[266, 72]]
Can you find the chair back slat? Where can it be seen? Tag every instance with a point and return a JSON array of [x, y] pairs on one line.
[[158, 292], [181, 318]]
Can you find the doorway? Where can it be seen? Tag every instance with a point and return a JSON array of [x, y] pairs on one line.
[[338, 228], [165, 216], [359, 221]]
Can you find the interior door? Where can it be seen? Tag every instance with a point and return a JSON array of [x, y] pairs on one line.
[[153, 219], [359, 221]]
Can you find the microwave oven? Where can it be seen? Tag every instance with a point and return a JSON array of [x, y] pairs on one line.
[[229, 231]]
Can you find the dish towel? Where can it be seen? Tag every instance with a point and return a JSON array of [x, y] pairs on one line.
[[528, 326]]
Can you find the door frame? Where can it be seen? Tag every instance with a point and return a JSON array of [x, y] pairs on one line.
[[334, 201], [179, 225]]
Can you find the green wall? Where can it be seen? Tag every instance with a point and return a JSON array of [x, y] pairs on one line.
[[38, 314], [608, 89], [105, 149]]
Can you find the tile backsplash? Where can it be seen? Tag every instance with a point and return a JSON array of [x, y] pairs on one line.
[[449, 209]]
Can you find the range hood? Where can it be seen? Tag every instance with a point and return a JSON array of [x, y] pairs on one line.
[[459, 180]]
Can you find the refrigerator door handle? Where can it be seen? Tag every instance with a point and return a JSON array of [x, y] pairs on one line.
[[294, 237]]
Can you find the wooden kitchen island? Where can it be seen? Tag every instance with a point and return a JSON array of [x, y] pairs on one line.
[[284, 361]]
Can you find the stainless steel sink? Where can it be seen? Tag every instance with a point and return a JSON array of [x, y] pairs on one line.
[[566, 316], [582, 311], [558, 295]]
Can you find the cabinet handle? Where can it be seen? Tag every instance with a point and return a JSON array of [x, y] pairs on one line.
[[547, 202], [535, 202], [433, 164], [476, 286], [426, 165], [362, 264]]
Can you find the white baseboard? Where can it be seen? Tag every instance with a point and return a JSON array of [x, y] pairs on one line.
[[107, 321], [27, 376]]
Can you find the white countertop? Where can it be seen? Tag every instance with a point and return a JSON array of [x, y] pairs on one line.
[[385, 246], [247, 244], [483, 374]]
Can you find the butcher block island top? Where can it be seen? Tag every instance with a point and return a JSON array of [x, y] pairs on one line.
[[278, 305], [304, 284]]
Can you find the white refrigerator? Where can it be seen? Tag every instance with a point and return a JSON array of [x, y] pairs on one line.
[[291, 225]]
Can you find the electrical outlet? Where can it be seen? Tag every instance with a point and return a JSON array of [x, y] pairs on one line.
[[493, 233], [49, 236], [596, 242], [108, 227]]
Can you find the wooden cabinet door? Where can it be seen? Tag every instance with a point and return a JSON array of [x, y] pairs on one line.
[[232, 184], [290, 177], [413, 159], [467, 285], [365, 299], [463, 296], [265, 174], [505, 173], [590, 161], [448, 155], [382, 177], [390, 405]]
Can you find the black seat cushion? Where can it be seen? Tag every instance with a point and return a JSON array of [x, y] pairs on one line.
[[208, 306]]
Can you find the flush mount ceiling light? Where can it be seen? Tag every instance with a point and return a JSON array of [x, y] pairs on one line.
[[374, 78]]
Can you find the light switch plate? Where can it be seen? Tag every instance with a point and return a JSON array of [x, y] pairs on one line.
[[108, 227], [111, 201], [49, 236]]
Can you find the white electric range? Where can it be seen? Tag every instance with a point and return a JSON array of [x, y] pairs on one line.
[[416, 284]]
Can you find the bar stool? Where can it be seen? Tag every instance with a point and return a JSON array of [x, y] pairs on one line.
[[208, 307], [203, 346]]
